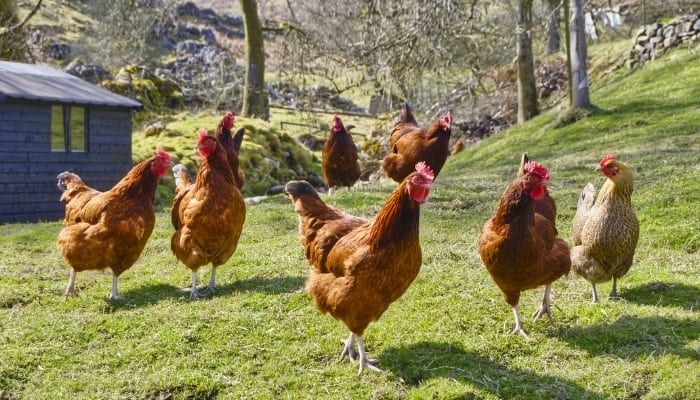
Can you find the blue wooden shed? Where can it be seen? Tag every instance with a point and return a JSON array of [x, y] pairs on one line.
[[50, 122]]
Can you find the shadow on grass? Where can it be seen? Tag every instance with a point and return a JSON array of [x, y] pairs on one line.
[[632, 337], [276, 285], [659, 293], [429, 360], [152, 294]]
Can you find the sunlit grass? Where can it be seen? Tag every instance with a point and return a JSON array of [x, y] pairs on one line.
[[259, 335]]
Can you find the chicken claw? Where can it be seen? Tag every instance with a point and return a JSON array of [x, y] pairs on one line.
[[544, 308], [194, 293], [520, 330], [364, 361], [114, 297], [351, 353], [348, 349]]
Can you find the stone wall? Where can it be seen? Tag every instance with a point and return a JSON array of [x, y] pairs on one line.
[[653, 40]]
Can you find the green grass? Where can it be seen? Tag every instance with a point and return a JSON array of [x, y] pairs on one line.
[[448, 337]]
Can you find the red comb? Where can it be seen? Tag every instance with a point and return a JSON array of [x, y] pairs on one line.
[[337, 124], [202, 135], [162, 154], [536, 168], [606, 158], [446, 121], [230, 115], [425, 170]]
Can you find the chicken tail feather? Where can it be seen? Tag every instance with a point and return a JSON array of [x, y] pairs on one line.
[[182, 175]]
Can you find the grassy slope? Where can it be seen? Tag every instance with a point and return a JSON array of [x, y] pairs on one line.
[[447, 337]]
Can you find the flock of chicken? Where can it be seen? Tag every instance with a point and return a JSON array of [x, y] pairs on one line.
[[358, 266]]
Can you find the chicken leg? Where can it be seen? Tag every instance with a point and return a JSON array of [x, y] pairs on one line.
[[212, 281], [70, 289], [518, 323], [349, 351], [595, 293], [194, 293], [114, 293], [544, 307], [613, 292]]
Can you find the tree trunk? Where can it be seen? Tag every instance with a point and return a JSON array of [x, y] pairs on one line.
[[553, 20], [578, 50], [567, 40], [527, 91], [254, 98], [12, 46]]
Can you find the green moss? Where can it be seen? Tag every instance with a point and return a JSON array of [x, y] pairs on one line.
[[268, 156]]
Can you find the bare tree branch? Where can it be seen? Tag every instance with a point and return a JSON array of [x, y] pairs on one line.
[[17, 27]]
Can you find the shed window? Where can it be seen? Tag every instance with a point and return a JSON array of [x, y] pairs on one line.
[[68, 129]]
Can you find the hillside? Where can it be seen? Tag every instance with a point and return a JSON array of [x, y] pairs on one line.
[[260, 337], [183, 62]]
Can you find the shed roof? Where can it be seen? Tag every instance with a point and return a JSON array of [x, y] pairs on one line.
[[38, 82]]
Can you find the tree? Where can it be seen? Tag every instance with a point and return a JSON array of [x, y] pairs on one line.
[[553, 19], [417, 50], [12, 45], [578, 78], [254, 98], [527, 90]]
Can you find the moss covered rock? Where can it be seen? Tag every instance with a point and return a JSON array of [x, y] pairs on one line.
[[269, 157]]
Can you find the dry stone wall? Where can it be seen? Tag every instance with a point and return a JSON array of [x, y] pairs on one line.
[[652, 40]]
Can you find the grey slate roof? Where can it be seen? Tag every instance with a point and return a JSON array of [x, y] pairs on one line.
[[38, 82]]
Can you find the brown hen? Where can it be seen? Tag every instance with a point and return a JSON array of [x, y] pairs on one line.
[[519, 245], [339, 164], [409, 144], [208, 214], [360, 267], [109, 229]]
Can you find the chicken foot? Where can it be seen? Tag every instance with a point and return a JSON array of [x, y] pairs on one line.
[[544, 308], [211, 287], [349, 351], [518, 323]]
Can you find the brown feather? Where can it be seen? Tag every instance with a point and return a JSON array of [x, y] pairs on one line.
[[410, 144], [370, 264], [108, 230], [519, 245], [209, 214]]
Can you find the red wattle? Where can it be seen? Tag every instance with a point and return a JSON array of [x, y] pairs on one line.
[[538, 193]]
